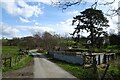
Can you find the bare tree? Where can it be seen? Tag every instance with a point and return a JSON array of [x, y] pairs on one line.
[[64, 4]]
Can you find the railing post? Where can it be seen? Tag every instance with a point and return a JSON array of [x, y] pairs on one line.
[[10, 61], [108, 58], [103, 76], [98, 59], [113, 56], [5, 62], [104, 58]]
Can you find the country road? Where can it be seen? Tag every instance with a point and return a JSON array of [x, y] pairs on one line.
[[39, 69], [44, 68]]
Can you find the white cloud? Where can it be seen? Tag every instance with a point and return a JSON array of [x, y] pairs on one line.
[[36, 23], [7, 0], [30, 11], [43, 1], [22, 28], [21, 3], [24, 20], [73, 13], [23, 10], [34, 29], [113, 24], [10, 7], [8, 31], [59, 28], [41, 29], [26, 11], [64, 27]]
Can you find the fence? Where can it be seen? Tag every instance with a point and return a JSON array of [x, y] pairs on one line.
[[82, 58], [9, 60]]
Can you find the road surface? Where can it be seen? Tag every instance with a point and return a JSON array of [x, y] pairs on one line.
[[43, 68]]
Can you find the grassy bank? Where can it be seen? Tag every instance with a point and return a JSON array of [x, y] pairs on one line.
[[85, 74], [26, 60], [21, 61], [76, 70]]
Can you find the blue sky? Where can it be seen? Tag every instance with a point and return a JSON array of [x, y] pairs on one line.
[[20, 18]]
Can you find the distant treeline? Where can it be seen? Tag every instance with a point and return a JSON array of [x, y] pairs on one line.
[[48, 41], [45, 41]]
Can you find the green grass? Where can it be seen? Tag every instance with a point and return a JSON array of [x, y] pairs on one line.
[[10, 49], [81, 73], [19, 65], [114, 69], [14, 50]]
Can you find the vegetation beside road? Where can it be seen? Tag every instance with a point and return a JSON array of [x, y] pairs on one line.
[[87, 73], [76, 70], [21, 61], [49, 42]]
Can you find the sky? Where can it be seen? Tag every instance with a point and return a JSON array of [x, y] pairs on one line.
[[20, 18]]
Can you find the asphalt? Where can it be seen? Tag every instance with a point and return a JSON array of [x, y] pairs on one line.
[[44, 68]]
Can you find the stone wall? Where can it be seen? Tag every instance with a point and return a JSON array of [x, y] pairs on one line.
[[71, 59]]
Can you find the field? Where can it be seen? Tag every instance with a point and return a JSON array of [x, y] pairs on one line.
[[10, 49]]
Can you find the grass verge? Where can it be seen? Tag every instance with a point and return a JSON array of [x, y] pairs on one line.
[[75, 70], [78, 71]]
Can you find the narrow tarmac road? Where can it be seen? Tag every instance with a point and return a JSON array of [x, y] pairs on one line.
[[43, 68]]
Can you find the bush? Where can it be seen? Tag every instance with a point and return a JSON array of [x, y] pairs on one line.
[[40, 50]]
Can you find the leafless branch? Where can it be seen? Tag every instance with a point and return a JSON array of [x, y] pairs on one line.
[[95, 4], [107, 3], [64, 4]]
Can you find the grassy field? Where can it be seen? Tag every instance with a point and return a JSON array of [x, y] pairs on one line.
[[10, 49]]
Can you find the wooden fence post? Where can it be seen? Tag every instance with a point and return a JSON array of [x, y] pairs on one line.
[[15, 59], [108, 58], [19, 57], [84, 60], [103, 76], [113, 56], [98, 59], [94, 64], [5, 61], [10, 61], [104, 58], [95, 67]]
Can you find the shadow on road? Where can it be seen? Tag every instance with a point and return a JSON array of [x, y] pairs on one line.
[[38, 55]]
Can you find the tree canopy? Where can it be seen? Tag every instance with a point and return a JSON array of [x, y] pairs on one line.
[[93, 21]]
